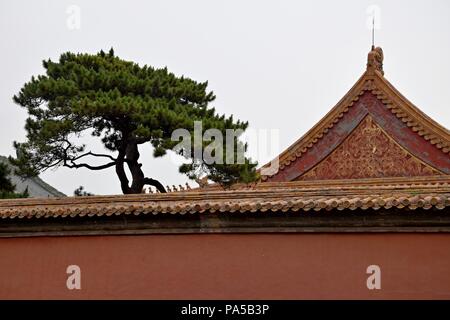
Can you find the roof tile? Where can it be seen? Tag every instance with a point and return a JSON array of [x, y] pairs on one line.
[[409, 194]]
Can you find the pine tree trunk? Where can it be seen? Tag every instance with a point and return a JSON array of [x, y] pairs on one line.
[[131, 155]]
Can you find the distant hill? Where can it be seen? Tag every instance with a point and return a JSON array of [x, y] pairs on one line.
[[37, 188]]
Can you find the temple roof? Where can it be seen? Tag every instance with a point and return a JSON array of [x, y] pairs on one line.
[[374, 150], [373, 132]]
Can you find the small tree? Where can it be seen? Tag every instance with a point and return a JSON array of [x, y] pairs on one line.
[[80, 192], [5, 183], [7, 188], [123, 104]]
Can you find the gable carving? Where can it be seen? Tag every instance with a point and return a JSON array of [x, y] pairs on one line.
[[368, 152]]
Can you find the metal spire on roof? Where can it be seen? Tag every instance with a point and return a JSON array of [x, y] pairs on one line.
[[373, 32], [376, 56]]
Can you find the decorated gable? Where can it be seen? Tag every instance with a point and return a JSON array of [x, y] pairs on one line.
[[373, 132]]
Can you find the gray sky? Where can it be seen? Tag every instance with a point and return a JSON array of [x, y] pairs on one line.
[[278, 64]]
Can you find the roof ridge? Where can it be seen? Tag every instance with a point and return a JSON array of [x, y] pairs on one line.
[[415, 119], [433, 184], [281, 201]]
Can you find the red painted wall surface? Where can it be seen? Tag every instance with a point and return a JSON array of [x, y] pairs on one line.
[[227, 266]]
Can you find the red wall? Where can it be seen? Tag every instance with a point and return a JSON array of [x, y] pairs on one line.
[[227, 266]]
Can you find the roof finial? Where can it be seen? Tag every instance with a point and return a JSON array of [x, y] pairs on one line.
[[375, 57], [375, 60]]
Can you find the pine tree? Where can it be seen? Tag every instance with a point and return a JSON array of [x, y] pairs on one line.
[[5, 184], [7, 188], [123, 104]]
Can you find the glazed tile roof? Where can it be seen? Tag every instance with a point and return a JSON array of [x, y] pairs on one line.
[[374, 194], [392, 99]]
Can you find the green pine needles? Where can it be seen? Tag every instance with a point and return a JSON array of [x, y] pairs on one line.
[[125, 105]]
